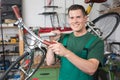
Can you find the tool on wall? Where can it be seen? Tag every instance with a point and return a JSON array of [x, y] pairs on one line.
[[49, 2]]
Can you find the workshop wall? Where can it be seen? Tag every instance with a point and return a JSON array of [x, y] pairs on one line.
[[32, 12]]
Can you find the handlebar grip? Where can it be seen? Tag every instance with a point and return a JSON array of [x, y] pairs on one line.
[[16, 11], [48, 42]]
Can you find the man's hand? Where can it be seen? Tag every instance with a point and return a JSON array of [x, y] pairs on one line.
[[57, 35], [58, 49]]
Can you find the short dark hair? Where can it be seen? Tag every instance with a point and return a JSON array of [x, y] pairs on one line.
[[76, 7]]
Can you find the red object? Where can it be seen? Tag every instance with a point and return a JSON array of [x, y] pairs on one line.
[[47, 30], [25, 31], [16, 11], [26, 63], [95, 1], [48, 42]]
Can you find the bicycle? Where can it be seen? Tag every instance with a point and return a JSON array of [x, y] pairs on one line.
[[26, 65], [105, 24], [27, 59], [102, 30]]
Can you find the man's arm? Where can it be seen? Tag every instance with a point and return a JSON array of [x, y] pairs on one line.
[[88, 66], [50, 58]]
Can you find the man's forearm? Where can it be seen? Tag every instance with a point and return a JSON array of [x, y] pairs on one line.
[[50, 59]]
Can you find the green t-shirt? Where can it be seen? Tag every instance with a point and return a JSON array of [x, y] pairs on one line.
[[76, 44]]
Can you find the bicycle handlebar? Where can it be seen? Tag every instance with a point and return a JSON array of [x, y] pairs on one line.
[[17, 13]]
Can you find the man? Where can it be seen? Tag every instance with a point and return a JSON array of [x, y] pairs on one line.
[[74, 64]]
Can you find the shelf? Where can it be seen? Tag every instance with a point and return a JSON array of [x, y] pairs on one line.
[[8, 26], [48, 13], [9, 43], [7, 11], [12, 36], [51, 7], [10, 4], [10, 54]]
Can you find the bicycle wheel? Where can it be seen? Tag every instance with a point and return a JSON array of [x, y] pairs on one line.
[[107, 23], [27, 65]]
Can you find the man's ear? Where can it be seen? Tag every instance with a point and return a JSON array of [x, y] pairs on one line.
[[85, 18]]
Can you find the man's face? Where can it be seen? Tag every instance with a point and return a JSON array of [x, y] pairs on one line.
[[77, 20]]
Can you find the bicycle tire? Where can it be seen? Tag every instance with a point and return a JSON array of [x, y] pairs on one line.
[[43, 50], [18, 60], [107, 23]]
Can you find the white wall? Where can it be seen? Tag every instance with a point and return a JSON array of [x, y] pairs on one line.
[[32, 8], [117, 33]]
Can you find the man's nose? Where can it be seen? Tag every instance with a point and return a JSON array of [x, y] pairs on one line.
[[75, 20]]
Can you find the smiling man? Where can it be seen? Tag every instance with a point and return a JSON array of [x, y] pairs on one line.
[[80, 52]]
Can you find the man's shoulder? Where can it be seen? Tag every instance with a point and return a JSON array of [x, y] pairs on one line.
[[94, 36]]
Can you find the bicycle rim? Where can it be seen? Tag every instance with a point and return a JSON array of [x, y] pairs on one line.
[[107, 23], [34, 66], [28, 70]]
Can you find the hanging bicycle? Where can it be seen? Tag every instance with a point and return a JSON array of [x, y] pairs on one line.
[[105, 24]]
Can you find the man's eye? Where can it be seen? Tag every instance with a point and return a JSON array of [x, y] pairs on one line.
[[78, 16], [71, 17]]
